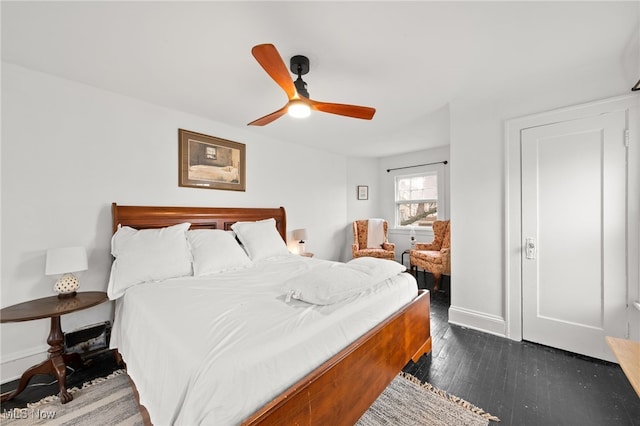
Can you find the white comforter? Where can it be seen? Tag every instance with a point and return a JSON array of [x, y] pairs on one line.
[[213, 350]]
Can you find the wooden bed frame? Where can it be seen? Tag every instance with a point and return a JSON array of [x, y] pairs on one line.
[[344, 387]]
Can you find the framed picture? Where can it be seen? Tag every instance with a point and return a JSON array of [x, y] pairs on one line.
[[363, 192], [210, 162]]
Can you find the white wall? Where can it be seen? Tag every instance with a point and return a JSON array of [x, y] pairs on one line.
[[70, 150], [478, 177], [360, 171], [373, 172]]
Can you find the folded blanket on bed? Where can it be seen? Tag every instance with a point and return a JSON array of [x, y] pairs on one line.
[[332, 283]]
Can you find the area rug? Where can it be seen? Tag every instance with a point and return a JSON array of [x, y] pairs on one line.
[[409, 402], [110, 401], [103, 401]]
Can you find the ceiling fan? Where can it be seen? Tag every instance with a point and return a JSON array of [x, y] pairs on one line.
[[299, 103]]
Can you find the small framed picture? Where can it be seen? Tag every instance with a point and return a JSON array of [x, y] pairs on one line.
[[210, 162], [363, 192]]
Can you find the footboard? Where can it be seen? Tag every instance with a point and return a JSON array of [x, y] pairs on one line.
[[343, 388]]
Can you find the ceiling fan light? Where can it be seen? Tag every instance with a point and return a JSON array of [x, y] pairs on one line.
[[298, 109]]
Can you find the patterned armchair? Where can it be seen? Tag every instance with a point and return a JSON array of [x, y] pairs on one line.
[[361, 236], [434, 257]]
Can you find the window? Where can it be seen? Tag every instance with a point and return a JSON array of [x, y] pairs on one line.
[[211, 153], [417, 199]]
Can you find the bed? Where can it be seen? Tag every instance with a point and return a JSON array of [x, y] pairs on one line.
[[214, 173], [327, 372]]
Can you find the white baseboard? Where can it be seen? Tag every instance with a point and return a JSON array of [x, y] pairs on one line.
[[491, 324], [14, 364]]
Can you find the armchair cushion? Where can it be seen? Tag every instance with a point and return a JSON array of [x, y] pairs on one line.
[[379, 253], [431, 256]]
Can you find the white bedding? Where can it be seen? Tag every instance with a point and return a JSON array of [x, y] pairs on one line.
[[212, 350], [214, 173]]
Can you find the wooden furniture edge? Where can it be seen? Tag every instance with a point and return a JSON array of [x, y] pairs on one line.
[[64, 306], [627, 353], [345, 386], [144, 217], [424, 349]]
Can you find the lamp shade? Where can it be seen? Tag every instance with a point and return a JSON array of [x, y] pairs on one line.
[[300, 234], [65, 260]]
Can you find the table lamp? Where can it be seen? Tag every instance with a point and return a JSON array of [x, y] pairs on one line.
[[300, 235], [65, 261]]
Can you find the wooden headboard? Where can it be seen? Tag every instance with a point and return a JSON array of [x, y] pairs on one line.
[[142, 217]]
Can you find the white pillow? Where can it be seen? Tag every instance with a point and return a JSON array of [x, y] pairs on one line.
[[215, 251], [260, 239], [148, 255]]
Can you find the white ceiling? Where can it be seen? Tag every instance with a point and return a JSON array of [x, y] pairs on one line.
[[406, 59]]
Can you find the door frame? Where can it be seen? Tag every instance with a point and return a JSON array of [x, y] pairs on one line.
[[513, 195]]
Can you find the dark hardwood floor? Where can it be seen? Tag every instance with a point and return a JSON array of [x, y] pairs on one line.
[[522, 383]]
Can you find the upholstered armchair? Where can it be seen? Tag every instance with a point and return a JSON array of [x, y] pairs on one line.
[[374, 245], [434, 257]]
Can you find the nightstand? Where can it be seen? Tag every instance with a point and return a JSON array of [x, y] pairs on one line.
[[410, 269], [306, 254], [51, 307], [406, 252]]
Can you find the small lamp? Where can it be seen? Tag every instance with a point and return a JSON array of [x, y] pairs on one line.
[[412, 236], [66, 261], [300, 235]]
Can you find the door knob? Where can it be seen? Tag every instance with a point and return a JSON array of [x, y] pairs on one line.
[[530, 248]]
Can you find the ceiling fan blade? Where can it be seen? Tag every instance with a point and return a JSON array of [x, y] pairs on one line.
[[269, 117], [268, 57], [355, 111]]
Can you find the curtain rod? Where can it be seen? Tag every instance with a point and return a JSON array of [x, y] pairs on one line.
[[418, 165]]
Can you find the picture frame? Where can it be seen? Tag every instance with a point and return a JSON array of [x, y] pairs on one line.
[[363, 192], [210, 162]]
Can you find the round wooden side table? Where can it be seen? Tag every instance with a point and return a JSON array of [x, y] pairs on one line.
[[51, 307]]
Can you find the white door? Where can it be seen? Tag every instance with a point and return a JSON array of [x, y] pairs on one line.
[[574, 234]]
